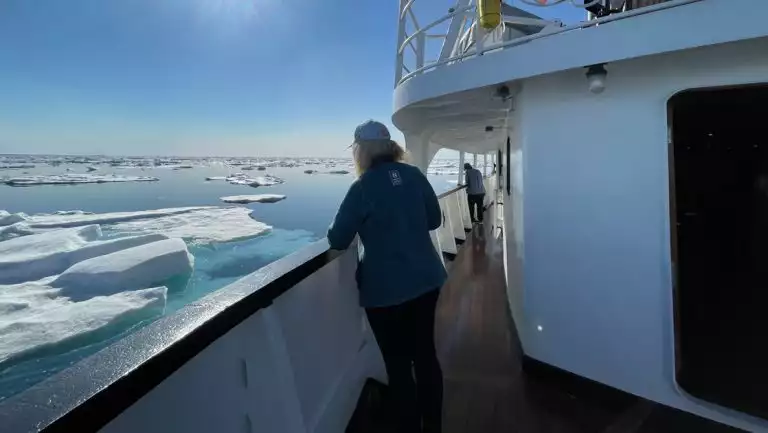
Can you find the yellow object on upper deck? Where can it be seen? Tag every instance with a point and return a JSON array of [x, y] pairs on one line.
[[489, 13]]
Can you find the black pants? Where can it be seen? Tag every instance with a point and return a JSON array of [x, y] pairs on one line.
[[476, 201], [406, 337]]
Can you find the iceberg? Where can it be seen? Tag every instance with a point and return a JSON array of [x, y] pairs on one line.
[[216, 178], [134, 268], [74, 179], [256, 198], [41, 255], [338, 172], [32, 321]]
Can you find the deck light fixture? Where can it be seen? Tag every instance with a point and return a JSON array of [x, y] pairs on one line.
[[596, 74]]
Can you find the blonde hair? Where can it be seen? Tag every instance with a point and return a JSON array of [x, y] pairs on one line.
[[365, 152]]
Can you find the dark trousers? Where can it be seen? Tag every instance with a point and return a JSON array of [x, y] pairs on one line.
[[406, 337], [476, 201]]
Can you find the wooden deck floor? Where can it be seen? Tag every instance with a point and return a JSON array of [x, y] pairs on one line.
[[485, 388]]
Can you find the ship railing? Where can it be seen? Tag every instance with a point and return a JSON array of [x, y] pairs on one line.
[[456, 219], [285, 349], [463, 39]]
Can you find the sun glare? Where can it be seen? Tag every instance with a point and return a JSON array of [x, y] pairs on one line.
[[233, 14]]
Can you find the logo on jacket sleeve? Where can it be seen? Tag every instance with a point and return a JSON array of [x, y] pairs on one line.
[[394, 177]]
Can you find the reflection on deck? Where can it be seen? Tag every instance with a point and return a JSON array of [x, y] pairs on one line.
[[485, 388]]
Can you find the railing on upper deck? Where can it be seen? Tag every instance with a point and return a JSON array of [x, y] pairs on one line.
[[463, 38]]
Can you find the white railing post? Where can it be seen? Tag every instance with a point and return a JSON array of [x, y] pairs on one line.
[[474, 160], [479, 39], [445, 232], [457, 218], [435, 236], [421, 46], [485, 164], [454, 31], [400, 38], [461, 168]]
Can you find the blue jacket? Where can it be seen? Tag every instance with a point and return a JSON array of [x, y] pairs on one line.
[[392, 207]]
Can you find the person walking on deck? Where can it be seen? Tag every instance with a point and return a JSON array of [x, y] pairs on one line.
[[475, 192], [393, 208]]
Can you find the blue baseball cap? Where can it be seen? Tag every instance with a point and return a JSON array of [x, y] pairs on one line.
[[371, 130]]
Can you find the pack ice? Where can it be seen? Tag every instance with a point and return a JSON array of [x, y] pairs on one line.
[[244, 179], [73, 179], [118, 288], [255, 198], [195, 224], [31, 323], [72, 278]]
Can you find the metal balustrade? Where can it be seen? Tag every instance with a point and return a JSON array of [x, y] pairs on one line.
[[464, 39], [456, 219]]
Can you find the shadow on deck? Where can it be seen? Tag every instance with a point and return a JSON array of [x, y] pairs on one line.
[[486, 389]]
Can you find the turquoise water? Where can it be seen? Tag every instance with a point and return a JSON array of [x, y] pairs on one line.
[[297, 221]]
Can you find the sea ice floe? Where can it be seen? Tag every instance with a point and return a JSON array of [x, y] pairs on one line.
[[256, 198], [41, 255], [15, 166], [34, 319], [127, 281], [267, 180], [62, 219], [134, 268], [7, 219], [441, 172], [196, 224], [205, 225], [244, 179], [73, 179]]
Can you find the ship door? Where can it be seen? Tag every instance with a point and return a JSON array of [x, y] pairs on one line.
[[719, 215]]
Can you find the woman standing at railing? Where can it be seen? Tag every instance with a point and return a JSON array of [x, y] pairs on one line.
[[393, 208]]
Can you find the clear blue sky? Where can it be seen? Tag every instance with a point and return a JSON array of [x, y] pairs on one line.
[[198, 77]]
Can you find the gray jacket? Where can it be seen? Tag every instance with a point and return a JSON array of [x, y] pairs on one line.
[[474, 182]]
